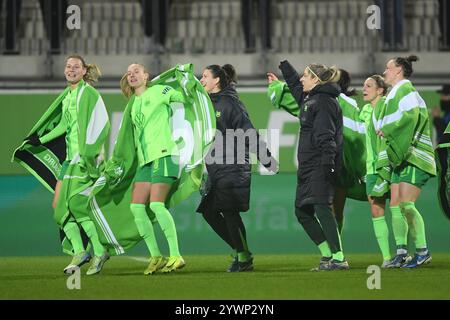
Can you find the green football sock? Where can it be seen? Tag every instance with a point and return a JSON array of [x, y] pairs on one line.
[[145, 228], [89, 227], [325, 249], [243, 256], [417, 224], [72, 232], [167, 225], [382, 235], [399, 226], [338, 256]]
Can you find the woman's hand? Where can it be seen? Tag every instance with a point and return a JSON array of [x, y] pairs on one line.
[[271, 77]]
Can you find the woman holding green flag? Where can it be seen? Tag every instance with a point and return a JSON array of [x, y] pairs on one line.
[[158, 163], [84, 122], [408, 150]]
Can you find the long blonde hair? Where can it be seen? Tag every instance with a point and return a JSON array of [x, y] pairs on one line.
[[92, 70], [323, 73], [128, 90]]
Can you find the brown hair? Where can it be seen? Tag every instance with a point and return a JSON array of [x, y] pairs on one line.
[[379, 80], [406, 64], [128, 90], [323, 73], [344, 82], [92, 70]]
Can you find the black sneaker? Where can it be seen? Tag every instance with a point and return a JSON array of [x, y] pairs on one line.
[[337, 265], [234, 265], [240, 266]]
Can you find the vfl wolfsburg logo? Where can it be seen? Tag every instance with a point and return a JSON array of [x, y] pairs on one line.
[[218, 113], [139, 120], [68, 117]]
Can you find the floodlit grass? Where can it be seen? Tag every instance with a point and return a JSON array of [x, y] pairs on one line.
[[204, 277]]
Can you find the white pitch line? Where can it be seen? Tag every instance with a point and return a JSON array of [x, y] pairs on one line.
[[139, 259]]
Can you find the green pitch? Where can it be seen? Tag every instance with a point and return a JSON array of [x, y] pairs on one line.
[[274, 277]]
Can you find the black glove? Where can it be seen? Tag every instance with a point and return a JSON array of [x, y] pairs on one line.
[[205, 187], [329, 172], [33, 140], [287, 69]]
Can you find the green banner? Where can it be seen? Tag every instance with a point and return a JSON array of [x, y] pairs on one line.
[[21, 111]]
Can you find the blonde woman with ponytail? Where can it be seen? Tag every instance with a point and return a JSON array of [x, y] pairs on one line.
[[82, 129], [319, 156], [149, 111]]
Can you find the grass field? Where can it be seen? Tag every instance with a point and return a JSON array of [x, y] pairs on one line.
[[275, 277]]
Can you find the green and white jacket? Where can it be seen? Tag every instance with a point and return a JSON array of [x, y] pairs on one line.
[[405, 124]]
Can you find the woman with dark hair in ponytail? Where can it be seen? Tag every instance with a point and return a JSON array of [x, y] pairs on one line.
[[350, 182], [229, 168], [408, 153]]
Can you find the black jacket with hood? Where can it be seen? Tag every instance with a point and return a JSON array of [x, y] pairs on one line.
[[320, 139], [228, 162]]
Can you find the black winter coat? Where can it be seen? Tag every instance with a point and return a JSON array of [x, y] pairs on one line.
[[229, 180], [321, 138]]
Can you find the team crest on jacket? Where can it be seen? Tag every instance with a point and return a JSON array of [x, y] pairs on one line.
[[305, 108], [218, 113], [68, 117]]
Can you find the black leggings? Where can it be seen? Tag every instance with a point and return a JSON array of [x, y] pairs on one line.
[[230, 227], [326, 230]]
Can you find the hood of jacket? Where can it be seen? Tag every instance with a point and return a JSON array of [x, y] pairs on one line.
[[331, 88], [229, 91]]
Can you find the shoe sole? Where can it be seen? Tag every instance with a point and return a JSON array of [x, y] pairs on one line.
[[407, 260], [426, 261], [177, 268], [147, 273], [72, 269], [337, 269]]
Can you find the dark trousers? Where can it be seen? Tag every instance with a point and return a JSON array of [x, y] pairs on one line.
[[154, 18], [320, 225], [391, 23], [230, 227], [54, 16], [247, 8], [444, 23]]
